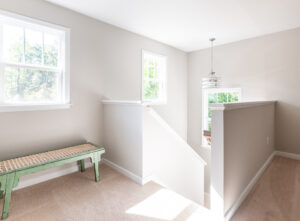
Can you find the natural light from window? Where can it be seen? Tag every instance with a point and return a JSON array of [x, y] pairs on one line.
[[214, 96], [164, 205], [33, 69], [154, 78], [168, 205]]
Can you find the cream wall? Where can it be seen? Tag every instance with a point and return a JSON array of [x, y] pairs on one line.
[[123, 136], [242, 142], [105, 62], [123, 78], [248, 141], [266, 68]]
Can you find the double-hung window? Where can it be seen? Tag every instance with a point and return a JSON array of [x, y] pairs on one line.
[[215, 96], [33, 62], [154, 78]]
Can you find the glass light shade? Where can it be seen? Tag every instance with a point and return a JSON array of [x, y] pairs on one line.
[[211, 81]]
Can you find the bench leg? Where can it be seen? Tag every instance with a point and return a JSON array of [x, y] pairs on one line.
[[82, 168], [2, 186], [95, 161], [96, 167], [8, 191]]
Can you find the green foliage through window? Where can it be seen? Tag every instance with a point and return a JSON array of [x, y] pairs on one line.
[[214, 97], [154, 76], [26, 85], [219, 97], [32, 70]]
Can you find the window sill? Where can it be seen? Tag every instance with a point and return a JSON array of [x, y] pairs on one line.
[[36, 107], [153, 103]]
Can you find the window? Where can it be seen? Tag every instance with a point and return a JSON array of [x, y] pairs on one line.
[[214, 96], [154, 78], [33, 62]]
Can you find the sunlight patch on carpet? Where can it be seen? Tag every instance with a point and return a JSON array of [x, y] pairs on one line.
[[164, 204]]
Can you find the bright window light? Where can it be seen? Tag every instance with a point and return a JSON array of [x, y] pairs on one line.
[[33, 62], [214, 96], [154, 78]]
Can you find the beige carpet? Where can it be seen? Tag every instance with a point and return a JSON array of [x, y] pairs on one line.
[[115, 198], [276, 196]]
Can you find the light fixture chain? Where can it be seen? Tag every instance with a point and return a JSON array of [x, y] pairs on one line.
[[212, 80]]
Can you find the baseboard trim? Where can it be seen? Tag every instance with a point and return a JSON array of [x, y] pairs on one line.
[[229, 214], [147, 179], [56, 172], [288, 155], [49, 174], [53, 173], [244, 194], [135, 178]]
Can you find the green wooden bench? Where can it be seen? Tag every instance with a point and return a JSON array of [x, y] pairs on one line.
[[12, 170]]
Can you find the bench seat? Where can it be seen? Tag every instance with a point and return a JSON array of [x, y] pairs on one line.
[[11, 170]]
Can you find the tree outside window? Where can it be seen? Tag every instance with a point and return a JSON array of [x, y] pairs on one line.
[[154, 78], [32, 66], [215, 96]]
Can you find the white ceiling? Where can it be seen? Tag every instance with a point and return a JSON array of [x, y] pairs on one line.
[[188, 24]]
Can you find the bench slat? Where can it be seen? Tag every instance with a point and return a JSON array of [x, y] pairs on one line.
[[36, 159]]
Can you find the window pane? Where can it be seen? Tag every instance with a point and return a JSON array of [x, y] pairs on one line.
[[209, 113], [27, 85], [229, 97], [222, 97], [209, 124], [33, 47], [212, 98], [151, 90], [146, 67], [235, 97], [154, 75], [51, 48], [13, 44], [150, 68]]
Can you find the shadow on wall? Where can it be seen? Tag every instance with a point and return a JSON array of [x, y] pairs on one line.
[[39, 146], [287, 127], [30, 132]]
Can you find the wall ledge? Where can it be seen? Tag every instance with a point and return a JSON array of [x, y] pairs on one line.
[[124, 102], [239, 105]]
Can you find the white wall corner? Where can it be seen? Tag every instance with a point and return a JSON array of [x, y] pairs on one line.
[[135, 178], [147, 179]]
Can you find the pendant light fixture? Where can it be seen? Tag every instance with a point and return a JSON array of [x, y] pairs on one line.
[[212, 80]]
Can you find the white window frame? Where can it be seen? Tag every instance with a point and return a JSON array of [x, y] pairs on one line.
[[35, 24], [163, 80], [205, 105]]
